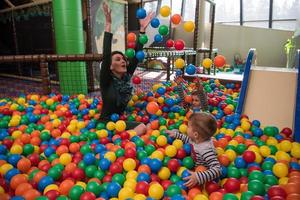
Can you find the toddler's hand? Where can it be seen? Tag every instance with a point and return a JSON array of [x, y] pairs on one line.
[[191, 180], [171, 133]]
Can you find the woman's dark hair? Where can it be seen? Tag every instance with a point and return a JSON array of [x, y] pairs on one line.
[[120, 53]]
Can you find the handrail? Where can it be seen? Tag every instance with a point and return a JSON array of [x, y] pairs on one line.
[[244, 87], [297, 106]]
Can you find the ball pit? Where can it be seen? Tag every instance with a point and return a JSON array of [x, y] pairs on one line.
[[54, 147]]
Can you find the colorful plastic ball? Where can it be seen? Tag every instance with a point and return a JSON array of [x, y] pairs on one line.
[[65, 158], [120, 125], [176, 19], [129, 164], [173, 190], [219, 61], [156, 191], [276, 191], [188, 162], [141, 13], [93, 187], [75, 192], [207, 63], [247, 195], [88, 196], [130, 53], [257, 187], [125, 193], [161, 140], [113, 189], [232, 185], [239, 162], [189, 26], [136, 80], [280, 170], [179, 63], [169, 43], [249, 156], [143, 39], [131, 37], [165, 11], [173, 165], [256, 175], [140, 55], [200, 197], [130, 45], [163, 30], [104, 164], [158, 38], [179, 44], [152, 108], [89, 158], [190, 69], [155, 22], [171, 151], [155, 165]]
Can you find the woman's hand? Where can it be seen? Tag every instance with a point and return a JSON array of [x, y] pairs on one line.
[[145, 22], [107, 14]]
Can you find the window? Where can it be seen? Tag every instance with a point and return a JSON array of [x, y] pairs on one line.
[[256, 10], [257, 24], [176, 7], [150, 6], [189, 10], [284, 25], [227, 11]]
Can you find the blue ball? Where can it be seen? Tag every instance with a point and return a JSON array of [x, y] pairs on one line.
[[140, 55], [17, 198], [187, 148], [185, 173], [177, 197], [49, 151], [113, 189], [11, 173], [44, 182], [161, 90], [158, 38], [239, 162], [14, 159], [170, 102], [141, 13], [104, 164], [178, 72], [190, 69], [115, 117], [146, 161], [256, 123], [89, 158], [143, 177], [258, 132], [3, 149], [155, 165], [155, 22]]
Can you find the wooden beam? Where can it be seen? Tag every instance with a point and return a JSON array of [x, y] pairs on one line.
[[9, 3], [35, 3]]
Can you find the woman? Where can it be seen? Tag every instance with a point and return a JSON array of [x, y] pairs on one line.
[[116, 73]]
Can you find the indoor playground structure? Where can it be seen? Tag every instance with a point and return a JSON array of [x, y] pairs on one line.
[[53, 145]]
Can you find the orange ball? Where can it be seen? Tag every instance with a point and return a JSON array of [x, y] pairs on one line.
[[193, 192], [131, 37], [70, 167], [24, 165], [17, 180], [65, 186], [216, 196], [293, 196], [188, 99], [145, 169], [74, 147], [62, 149], [176, 19], [31, 194], [154, 124], [224, 160], [37, 177], [22, 188], [219, 61], [152, 107]]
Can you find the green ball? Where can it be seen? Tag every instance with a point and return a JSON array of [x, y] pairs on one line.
[[45, 136], [230, 196], [257, 187], [171, 127], [92, 136], [52, 157], [130, 53], [82, 165], [270, 131], [143, 39], [41, 198], [142, 154], [234, 172], [273, 149], [174, 178], [260, 143], [74, 139], [173, 190], [62, 198], [256, 175], [103, 186], [93, 187], [85, 149], [166, 160], [244, 172], [230, 147], [40, 127], [162, 121], [100, 126], [33, 173], [59, 167], [99, 174], [119, 178], [90, 171], [55, 173], [247, 195], [140, 143], [188, 162], [240, 148], [267, 165], [4, 124], [270, 180], [28, 149], [75, 192], [29, 130], [163, 30], [149, 149], [120, 152], [171, 115]]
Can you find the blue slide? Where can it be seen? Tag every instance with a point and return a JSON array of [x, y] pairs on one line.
[[297, 107]]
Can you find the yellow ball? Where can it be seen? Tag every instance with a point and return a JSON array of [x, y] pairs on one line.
[[34, 97], [171, 151], [220, 151], [265, 151], [14, 106], [180, 170], [132, 174], [5, 167], [230, 154], [65, 158], [281, 155], [135, 97], [161, 140], [280, 170], [21, 101], [283, 181], [82, 184], [183, 128], [164, 173], [189, 26], [110, 156], [258, 157], [14, 122], [200, 197], [50, 187], [233, 143], [165, 11], [157, 154], [295, 152], [49, 102], [129, 164], [111, 126], [179, 63], [16, 149], [139, 197], [16, 134], [229, 132], [102, 133], [246, 125], [130, 183], [56, 122], [155, 133], [285, 146], [156, 191], [253, 148], [125, 193], [160, 100], [120, 125], [207, 63], [71, 128], [271, 141], [2, 191], [81, 96], [65, 135], [80, 125], [178, 143]]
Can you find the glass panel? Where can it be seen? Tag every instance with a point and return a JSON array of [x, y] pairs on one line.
[[286, 9], [257, 24], [150, 6], [227, 11], [207, 12], [256, 9], [232, 23], [165, 3], [189, 7], [284, 25], [176, 6]]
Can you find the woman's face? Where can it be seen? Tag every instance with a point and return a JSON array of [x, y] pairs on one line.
[[118, 64]]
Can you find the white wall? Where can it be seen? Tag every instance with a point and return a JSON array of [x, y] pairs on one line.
[[269, 43]]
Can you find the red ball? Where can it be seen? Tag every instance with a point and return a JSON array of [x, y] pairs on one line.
[[142, 187], [219, 61], [52, 194], [249, 156], [181, 154], [287, 132], [34, 159], [173, 165], [170, 43], [78, 174], [124, 135], [131, 45], [107, 178], [130, 153], [179, 44], [257, 197], [145, 119], [88, 196], [244, 180], [277, 198], [154, 178], [120, 160], [166, 183], [232, 185], [115, 168], [276, 190], [136, 80], [211, 187]]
